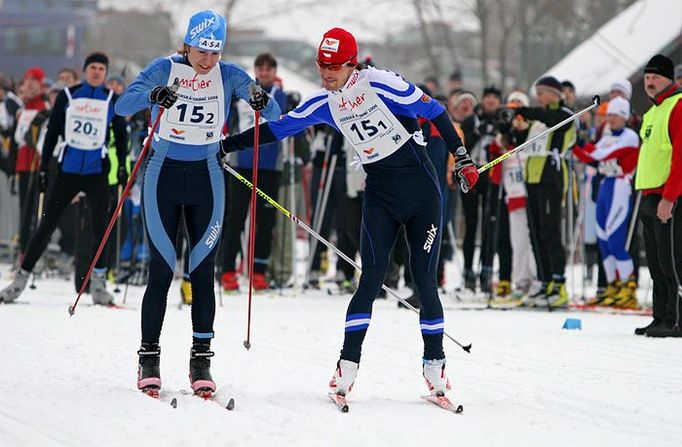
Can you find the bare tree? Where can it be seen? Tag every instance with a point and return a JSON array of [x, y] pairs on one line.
[[428, 46], [508, 20], [447, 35], [482, 12], [229, 5]]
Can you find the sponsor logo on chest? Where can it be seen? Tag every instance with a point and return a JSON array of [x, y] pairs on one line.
[[87, 109], [195, 84], [351, 104]]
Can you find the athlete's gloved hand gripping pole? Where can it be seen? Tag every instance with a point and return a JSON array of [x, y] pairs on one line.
[[165, 97], [235, 143], [595, 103]]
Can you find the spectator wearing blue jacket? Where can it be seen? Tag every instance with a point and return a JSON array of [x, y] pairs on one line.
[[83, 116]]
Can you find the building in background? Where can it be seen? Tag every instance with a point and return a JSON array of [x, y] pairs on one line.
[[55, 34]]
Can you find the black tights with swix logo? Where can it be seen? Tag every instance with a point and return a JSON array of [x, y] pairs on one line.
[[173, 190], [408, 197]]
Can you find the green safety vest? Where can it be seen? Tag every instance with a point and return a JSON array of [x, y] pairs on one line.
[[113, 160], [655, 155], [562, 139]]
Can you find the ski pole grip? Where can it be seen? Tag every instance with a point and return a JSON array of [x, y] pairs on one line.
[[176, 85]]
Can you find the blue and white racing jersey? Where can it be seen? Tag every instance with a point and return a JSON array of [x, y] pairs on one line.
[[192, 128], [376, 111]]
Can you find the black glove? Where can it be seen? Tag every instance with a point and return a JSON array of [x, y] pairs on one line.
[[122, 175], [163, 96], [42, 181], [258, 99]]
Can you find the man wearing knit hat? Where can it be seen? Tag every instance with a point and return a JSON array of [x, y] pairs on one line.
[[83, 116], [546, 176], [659, 177], [376, 111]]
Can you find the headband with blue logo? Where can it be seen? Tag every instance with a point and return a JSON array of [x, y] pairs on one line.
[[207, 31]]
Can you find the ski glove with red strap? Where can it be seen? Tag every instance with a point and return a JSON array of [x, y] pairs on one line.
[[465, 170]]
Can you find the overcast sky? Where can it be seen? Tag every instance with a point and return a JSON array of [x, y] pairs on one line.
[[308, 20]]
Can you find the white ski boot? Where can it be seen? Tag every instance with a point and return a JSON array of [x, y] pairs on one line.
[[12, 292], [98, 289], [434, 375], [344, 377]]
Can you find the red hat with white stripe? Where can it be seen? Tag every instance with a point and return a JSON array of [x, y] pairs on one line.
[[338, 46]]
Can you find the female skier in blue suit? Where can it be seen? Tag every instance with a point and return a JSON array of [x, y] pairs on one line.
[[182, 173]]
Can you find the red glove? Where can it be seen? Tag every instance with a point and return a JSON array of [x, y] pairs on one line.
[[465, 170]]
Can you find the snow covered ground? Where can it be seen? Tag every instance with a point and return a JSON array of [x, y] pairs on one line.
[[71, 381]]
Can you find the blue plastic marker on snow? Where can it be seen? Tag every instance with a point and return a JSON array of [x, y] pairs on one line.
[[573, 323]]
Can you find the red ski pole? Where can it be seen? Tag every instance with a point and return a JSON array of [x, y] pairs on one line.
[[252, 227], [126, 190]]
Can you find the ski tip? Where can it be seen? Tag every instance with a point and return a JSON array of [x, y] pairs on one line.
[[174, 403], [230, 405], [340, 401], [204, 393], [152, 392]]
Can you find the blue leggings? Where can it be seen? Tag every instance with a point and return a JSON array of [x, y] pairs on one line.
[[613, 219], [411, 197], [169, 187]]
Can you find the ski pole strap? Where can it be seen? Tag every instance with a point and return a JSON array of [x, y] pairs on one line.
[[595, 103], [145, 353]]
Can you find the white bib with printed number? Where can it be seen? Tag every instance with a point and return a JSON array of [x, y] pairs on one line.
[[23, 124], [512, 169], [197, 116], [87, 120], [365, 121], [539, 147]]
